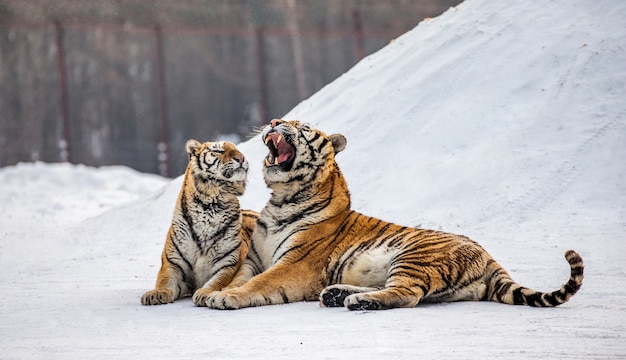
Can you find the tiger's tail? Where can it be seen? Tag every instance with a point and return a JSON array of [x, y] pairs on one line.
[[503, 289]]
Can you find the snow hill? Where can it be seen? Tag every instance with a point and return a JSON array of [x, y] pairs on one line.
[[503, 121]]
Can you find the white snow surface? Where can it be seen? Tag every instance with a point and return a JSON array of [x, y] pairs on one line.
[[504, 121]]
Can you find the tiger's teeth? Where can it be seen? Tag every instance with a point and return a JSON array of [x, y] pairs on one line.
[[267, 139], [267, 162], [276, 160], [278, 139]]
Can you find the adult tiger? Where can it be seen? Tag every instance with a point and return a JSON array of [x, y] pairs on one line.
[[209, 236], [309, 245]]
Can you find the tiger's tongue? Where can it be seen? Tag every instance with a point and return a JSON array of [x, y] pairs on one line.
[[284, 151]]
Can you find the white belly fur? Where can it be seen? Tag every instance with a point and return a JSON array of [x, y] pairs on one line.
[[369, 268]]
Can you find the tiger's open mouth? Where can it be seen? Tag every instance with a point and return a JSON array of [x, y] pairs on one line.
[[281, 153]]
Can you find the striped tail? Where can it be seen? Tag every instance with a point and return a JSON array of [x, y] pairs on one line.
[[505, 290]]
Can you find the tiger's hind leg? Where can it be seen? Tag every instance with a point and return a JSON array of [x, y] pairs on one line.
[[335, 295]]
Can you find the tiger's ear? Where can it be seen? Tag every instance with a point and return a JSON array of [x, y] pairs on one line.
[[339, 142], [192, 145]]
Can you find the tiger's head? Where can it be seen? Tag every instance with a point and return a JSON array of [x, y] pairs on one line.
[[217, 163], [297, 152]]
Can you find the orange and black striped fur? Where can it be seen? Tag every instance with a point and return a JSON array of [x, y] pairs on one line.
[[309, 245], [209, 236]]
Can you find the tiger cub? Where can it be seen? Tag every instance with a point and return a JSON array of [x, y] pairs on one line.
[[209, 236], [309, 245]]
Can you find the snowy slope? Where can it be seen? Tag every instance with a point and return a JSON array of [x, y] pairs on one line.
[[504, 121]]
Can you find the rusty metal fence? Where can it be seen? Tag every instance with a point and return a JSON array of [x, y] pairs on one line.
[[103, 91]]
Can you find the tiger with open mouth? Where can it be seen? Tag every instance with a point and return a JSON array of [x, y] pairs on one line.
[[309, 245]]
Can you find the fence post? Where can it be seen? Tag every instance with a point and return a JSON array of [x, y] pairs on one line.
[[358, 34], [162, 147], [260, 65], [296, 47], [64, 144]]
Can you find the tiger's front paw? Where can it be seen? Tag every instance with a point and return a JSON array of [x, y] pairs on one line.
[[224, 300], [200, 296], [333, 296], [157, 297]]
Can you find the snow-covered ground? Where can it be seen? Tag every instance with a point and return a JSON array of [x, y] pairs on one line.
[[503, 121]]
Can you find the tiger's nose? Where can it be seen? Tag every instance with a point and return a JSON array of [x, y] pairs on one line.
[[239, 158], [275, 122]]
